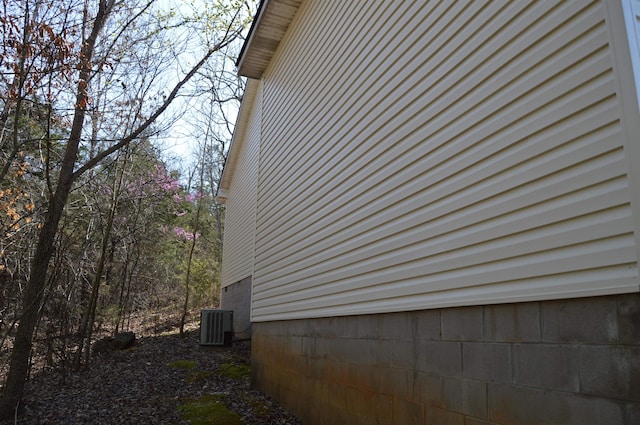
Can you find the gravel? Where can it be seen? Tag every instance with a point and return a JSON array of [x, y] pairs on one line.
[[146, 384]]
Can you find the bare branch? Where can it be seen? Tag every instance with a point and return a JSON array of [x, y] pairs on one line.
[[149, 121]]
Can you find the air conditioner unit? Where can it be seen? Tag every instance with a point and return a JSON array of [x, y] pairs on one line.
[[216, 327]]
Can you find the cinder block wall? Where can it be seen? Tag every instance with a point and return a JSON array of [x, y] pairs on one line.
[[237, 297], [554, 362]]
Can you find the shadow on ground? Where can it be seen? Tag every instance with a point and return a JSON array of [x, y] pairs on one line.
[[164, 379]]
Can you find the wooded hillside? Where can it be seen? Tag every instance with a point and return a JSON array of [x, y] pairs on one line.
[[99, 223]]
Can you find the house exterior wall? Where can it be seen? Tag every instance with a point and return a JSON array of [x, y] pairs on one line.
[[237, 297], [424, 155], [447, 215], [241, 170], [240, 212]]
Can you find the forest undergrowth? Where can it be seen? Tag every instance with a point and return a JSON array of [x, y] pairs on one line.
[[162, 379]]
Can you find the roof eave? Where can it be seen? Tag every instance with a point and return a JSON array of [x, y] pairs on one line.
[[267, 30]]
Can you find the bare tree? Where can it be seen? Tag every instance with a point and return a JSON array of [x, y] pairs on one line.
[[88, 66]]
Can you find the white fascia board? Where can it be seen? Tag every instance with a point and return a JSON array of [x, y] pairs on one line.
[[631, 13], [623, 18], [238, 138], [254, 27]]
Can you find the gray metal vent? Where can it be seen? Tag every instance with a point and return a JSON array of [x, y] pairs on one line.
[[216, 327]]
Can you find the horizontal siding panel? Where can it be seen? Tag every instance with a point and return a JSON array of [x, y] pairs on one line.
[[382, 111], [239, 229], [417, 193], [495, 176], [324, 85], [587, 256], [420, 153], [621, 279], [308, 72], [367, 178], [466, 247]]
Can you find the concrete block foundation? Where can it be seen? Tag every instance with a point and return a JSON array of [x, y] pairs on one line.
[[237, 297], [552, 362]]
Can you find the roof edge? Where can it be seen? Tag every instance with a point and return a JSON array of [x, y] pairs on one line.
[[252, 29], [237, 140], [269, 27]]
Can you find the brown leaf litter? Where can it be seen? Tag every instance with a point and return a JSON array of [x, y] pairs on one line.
[[146, 384]]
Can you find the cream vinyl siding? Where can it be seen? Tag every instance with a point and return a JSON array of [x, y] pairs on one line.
[[239, 228], [431, 154]]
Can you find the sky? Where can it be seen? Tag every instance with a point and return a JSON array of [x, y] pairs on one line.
[[178, 141]]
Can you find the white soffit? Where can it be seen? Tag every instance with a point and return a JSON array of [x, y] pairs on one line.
[[268, 28]]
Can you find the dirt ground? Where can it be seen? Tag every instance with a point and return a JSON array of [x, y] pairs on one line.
[[162, 379]]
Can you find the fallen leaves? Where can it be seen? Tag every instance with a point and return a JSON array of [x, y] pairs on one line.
[[147, 384]]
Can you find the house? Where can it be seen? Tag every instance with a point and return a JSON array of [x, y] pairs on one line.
[[433, 211]]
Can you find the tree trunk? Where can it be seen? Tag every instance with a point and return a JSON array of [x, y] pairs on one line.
[[128, 278], [121, 299], [31, 301], [88, 317], [196, 226], [185, 307], [34, 290]]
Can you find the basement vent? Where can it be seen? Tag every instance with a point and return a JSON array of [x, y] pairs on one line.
[[216, 327]]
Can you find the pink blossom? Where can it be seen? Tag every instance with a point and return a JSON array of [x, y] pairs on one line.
[[182, 233], [191, 197], [170, 186]]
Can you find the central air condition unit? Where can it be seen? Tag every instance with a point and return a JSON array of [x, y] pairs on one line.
[[216, 327]]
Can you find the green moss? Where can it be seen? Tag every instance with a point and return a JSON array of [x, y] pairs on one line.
[[182, 364], [260, 409], [134, 348], [235, 371], [208, 410], [198, 375]]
